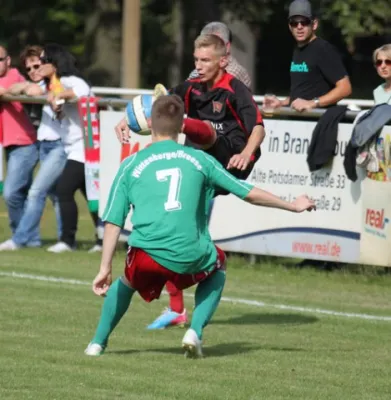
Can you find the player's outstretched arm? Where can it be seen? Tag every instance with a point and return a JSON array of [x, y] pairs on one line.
[[102, 281], [219, 177], [263, 198]]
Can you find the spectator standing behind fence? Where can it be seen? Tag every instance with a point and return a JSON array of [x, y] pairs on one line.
[[318, 76], [20, 144], [233, 67], [58, 62], [52, 157], [382, 62]]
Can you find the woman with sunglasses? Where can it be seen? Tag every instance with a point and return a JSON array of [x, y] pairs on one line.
[[63, 116], [52, 158], [382, 61]]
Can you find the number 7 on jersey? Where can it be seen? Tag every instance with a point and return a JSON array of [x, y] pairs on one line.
[[174, 176]]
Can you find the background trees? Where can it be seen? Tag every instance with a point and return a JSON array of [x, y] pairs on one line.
[[91, 29]]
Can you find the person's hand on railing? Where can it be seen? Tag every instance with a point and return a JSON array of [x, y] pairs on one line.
[[270, 103], [33, 90], [122, 131], [301, 105], [3, 91]]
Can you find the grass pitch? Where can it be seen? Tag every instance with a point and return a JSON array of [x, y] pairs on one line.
[[252, 351]]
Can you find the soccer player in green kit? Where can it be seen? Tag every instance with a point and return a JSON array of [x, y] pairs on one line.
[[169, 187]]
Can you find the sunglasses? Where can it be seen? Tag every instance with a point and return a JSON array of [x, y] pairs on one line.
[[294, 23], [35, 67], [378, 63]]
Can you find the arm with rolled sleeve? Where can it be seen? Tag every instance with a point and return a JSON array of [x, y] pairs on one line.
[[332, 68]]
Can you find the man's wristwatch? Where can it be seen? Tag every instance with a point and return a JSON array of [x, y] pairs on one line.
[[316, 101]]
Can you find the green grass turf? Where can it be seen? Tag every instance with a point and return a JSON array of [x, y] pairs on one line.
[[251, 352]]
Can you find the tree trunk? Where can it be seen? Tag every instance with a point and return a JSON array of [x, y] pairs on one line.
[[103, 43], [175, 75]]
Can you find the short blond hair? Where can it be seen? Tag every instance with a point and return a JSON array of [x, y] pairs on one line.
[[384, 49], [211, 40]]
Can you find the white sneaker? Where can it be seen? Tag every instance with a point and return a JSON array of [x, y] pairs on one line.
[[59, 247], [94, 349], [192, 345], [9, 245], [96, 249]]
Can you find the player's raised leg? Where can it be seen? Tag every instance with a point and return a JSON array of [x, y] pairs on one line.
[[176, 314], [115, 305], [199, 132]]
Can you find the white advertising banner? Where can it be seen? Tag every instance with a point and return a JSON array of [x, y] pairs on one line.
[[376, 232], [333, 232], [330, 233]]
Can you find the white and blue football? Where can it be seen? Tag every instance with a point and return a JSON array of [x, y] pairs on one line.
[[139, 110]]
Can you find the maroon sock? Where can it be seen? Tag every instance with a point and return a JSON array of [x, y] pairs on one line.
[[199, 132], [176, 298]]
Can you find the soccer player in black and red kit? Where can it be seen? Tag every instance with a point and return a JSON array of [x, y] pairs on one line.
[[223, 120]]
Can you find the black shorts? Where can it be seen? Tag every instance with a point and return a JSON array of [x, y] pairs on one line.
[[223, 149]]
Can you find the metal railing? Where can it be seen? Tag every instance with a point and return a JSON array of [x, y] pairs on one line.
[[112, 102], [100, 90]]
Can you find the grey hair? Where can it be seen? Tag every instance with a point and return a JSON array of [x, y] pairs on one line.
[[219, 29]]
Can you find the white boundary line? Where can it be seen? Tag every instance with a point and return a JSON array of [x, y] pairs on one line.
[[254, 303]]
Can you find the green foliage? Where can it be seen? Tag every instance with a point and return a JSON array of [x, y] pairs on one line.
[[42, 21], [64, 21], [252, 11], [357, 18]]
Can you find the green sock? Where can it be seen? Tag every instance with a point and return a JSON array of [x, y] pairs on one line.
[[114, 307], [207, 298]]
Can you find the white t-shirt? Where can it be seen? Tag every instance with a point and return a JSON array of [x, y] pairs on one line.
[[69, 128], [382, 96]]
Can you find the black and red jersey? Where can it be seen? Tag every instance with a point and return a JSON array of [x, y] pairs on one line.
[[228, 105]]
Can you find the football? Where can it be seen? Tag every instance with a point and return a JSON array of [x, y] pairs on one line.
[[139, 109]]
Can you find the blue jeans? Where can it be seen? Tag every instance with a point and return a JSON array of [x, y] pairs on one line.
[[21, 161], [52, 161]]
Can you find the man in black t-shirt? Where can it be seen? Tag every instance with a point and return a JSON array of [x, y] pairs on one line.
[[318, 76]]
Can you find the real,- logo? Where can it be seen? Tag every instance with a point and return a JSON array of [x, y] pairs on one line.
[[375, 222], [217, 106]]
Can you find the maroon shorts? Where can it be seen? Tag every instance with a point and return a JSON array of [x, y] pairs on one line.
[[149, 278]]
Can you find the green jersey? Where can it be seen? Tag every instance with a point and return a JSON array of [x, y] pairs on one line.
[[170, 187]]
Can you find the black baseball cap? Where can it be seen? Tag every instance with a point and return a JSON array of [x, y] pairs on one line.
[[300, 8]]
